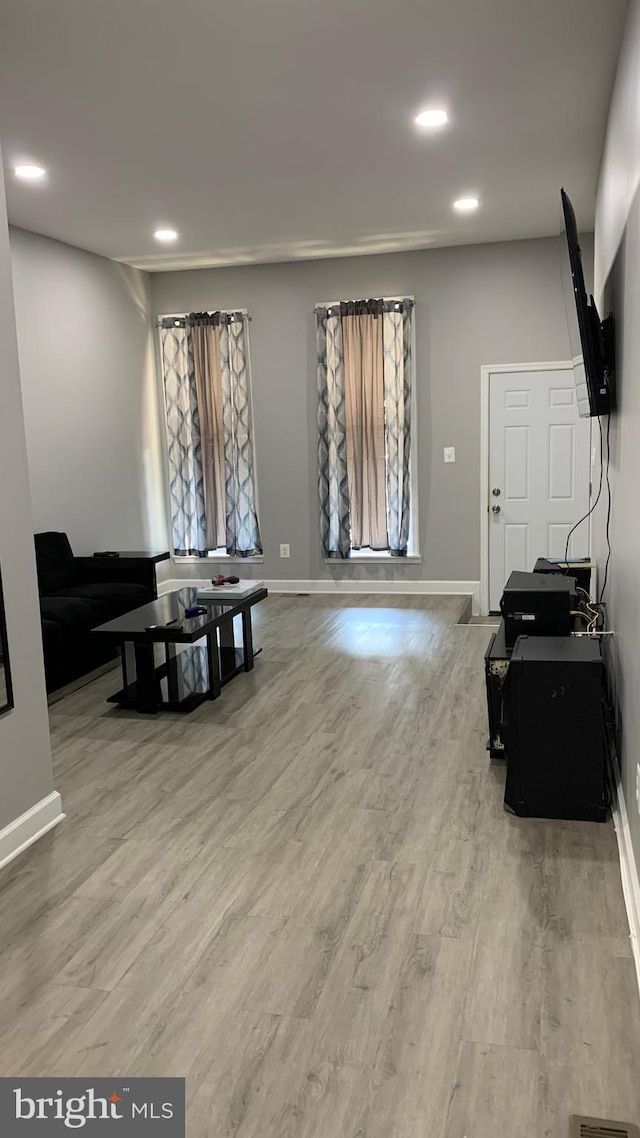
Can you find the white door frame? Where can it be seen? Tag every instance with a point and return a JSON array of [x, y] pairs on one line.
[[486, 371]]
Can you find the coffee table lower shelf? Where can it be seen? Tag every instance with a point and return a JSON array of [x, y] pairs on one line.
[[232, 664]]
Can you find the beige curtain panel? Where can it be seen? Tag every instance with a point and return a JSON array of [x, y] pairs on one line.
[[365, 431]]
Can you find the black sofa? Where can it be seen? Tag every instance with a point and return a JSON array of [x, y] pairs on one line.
[[77, 594]]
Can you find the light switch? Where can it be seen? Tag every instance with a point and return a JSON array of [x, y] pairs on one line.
[[449, 454]]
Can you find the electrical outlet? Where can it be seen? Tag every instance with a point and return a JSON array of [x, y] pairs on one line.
[[449, 454], [638, 787], [285, 551]]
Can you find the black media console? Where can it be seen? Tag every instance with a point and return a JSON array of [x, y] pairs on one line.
[[545, 704]]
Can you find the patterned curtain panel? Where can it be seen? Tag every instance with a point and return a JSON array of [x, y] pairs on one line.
[[243, 531], [186, 489], [335, 529], [396, 324], [364, 416], [209, 431]]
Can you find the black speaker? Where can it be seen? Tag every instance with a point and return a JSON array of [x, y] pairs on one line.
[[553, 729]]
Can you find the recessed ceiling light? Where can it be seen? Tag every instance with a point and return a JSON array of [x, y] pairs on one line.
[[165, 235], [433, 117], [466, 205], [29, 172]]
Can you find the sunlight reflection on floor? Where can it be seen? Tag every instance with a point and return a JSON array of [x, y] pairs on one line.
[[384, 632]]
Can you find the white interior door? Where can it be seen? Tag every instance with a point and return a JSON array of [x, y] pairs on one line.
[[539, 472]]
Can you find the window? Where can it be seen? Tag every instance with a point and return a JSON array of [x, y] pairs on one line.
[[209, 424], [364, 415]]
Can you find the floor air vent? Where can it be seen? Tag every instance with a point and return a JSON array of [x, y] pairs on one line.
[[601, 1128]]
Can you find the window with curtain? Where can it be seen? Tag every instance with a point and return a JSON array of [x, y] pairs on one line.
[[209, 434], [364, 415]]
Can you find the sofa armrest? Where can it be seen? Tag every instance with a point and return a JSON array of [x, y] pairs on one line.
[[133, 570], [104, 570]]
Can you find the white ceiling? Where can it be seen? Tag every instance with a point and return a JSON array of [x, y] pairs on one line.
[[267, 130]]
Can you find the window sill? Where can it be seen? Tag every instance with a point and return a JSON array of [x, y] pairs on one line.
[[219, 557], [374, 559]]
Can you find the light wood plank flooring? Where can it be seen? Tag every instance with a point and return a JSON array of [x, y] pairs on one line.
[[307, 899]]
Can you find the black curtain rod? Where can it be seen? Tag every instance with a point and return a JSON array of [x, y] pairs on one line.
[[375, 304], [234, 315]]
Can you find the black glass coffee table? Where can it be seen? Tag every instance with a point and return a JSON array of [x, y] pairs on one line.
[[186, 676]]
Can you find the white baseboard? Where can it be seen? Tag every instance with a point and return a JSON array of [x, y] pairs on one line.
[[628, 872], [25, 830], [332, 585]]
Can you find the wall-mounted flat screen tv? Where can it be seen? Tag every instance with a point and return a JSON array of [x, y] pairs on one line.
[[591, 340]]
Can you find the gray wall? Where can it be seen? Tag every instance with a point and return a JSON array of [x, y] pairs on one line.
[[89, 395], [94, 434], [618, 284], [477, 305], [25, 755]]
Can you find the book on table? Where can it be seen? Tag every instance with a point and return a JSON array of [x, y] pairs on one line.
[[218, 594]]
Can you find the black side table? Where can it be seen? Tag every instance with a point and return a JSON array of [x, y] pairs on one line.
[[137, 565]]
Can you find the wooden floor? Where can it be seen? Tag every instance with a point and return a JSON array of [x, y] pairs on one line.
[[307, 899]]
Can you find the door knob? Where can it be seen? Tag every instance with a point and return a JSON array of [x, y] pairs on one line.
[[496, 492], [495, 509]]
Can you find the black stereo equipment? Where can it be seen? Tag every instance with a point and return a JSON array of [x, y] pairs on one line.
[[579, 570], [537, 604], [553, 729]]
